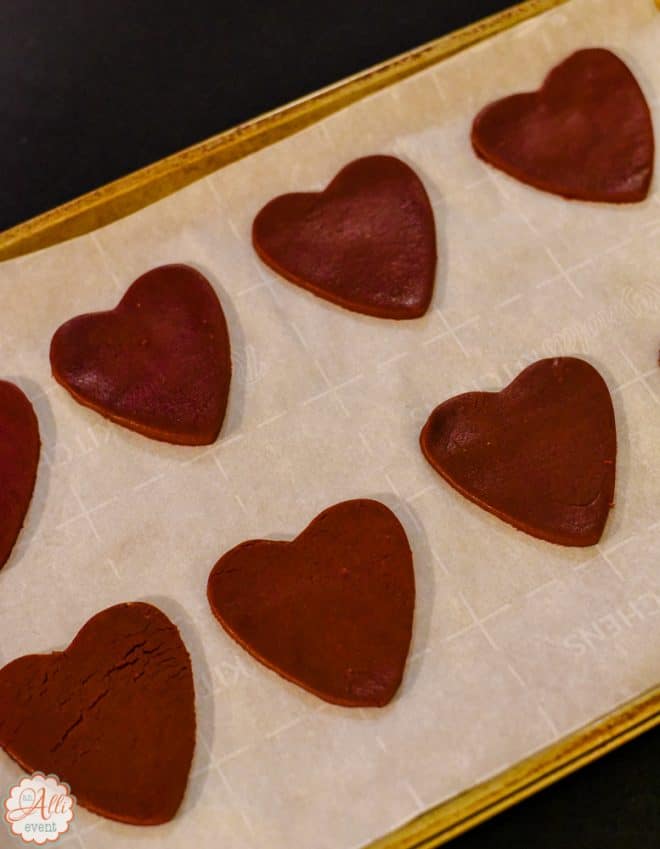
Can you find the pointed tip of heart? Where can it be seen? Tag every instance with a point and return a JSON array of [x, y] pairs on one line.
[[20, 446], [331, 610], [585, 134], [159, 363], [113, 714], [540, 454], [366, 242]]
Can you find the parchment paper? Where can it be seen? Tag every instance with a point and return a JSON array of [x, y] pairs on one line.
[[516, 641]]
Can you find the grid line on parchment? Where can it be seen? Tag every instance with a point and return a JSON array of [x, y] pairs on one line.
[[107, 262], [611, 565], [85, 512], [331, 389], [410, 789], [640, 377], [451, 331], [564, 273], [480, 623], [235, 798]]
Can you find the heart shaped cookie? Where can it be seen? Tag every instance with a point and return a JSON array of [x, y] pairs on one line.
[[19, 457], [159, 363], [540, 454], [113, 714], [585, 134], [367, 242], [332, 610]]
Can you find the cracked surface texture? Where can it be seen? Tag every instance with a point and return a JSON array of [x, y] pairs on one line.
[[113, 714]]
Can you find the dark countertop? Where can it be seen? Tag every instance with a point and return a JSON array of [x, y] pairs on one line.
[[92, 90]]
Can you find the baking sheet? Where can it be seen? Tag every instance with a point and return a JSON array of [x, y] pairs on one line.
[[516, 642]]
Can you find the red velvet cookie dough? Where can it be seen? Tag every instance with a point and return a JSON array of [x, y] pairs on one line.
[[367, 242], [159, 363], [113, 714], [332, 610], [540, 454], [585, 134], [19, 458]]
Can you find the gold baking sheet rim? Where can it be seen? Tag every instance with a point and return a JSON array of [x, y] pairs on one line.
[[135, 191]]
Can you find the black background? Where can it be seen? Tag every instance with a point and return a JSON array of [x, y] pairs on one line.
[[92, 90]]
